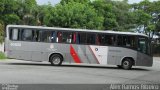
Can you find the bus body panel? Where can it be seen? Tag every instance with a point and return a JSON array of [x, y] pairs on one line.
[[37, 51], [117, 54], [144, 60], [90, 54]]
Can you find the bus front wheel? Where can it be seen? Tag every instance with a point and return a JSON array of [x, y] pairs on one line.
[[127, 64], [56, 60]]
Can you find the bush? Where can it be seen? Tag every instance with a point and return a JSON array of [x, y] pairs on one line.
[[2, 55], [156, 50], [1, 32]]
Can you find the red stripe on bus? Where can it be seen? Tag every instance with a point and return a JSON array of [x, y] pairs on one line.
[[74, 55], [94, 55]]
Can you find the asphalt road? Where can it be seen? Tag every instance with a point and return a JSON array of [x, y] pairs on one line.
[[27, 72]]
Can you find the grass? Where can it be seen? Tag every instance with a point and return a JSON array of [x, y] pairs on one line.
[[2, 55]]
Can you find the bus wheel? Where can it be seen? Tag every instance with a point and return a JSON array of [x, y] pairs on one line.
[[127, 64], [56, 60]]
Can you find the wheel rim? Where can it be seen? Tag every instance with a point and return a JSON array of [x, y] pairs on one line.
[[56, 60], [125, 63]]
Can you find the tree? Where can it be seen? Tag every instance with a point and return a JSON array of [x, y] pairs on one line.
[[145, 13], [44, 14], [123, 14], [143, 20], [27, 11], [7, 11], [156, 17], [1, 32], [78, 1], [74, 15], [105, 9]]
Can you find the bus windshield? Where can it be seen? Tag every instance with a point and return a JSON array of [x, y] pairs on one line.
[[144, 45]]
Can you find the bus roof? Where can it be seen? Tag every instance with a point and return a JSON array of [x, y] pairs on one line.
[[73, 29]]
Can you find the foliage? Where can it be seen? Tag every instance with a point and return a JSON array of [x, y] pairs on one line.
[[89, 14], [104, 9], [147, 14], [74, 15], [2, 55], [1, 32]]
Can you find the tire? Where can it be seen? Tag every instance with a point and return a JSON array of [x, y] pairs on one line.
[[127, 64], [56, 60]]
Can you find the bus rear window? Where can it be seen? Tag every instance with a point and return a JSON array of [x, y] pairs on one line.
[[14, 34]]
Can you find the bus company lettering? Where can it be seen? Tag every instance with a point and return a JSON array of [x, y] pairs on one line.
[[115, 50], [16, 44]]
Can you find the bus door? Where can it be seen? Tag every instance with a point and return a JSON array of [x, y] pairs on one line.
[[36, 51], [144, 54], [36, 46]]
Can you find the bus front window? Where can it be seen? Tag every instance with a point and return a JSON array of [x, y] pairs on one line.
[[143, 45]]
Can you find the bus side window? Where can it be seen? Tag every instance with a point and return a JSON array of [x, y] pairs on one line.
[[14, 34], [59, 37], [77, 38], [98, 40], [74, 38], [36, 36], [53, 36], [91, 39], [67, 37], [27, 35], [106, 39], [120, 40], [126, 41], [82, 38], [48, 36], [101, 39]]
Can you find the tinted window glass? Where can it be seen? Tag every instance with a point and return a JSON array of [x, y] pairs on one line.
[[82, 38], [27, 35], [91, 39], [14, 34], [126, 41], [103, 39], [36, 35], [142, 45], [48, 36], [67, 37], [59, 37]]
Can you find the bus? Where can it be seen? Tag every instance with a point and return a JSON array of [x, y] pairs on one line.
[[66, 45]]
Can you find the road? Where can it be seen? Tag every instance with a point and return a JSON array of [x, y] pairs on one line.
[[27, 72]]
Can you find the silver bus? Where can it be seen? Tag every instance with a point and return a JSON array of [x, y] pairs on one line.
[[65, 45]]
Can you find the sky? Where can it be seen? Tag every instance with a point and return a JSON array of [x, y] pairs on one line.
[[53, 2]]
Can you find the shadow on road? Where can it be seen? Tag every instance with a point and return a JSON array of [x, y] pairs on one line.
[[77, 66]]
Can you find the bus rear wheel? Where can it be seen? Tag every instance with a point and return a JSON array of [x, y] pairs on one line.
[[127, 64], [56, 60]]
